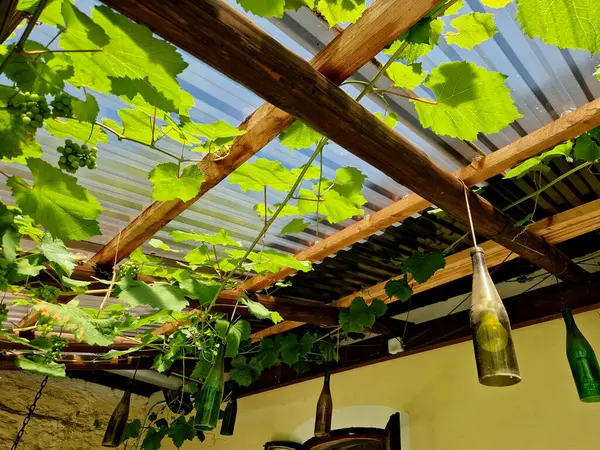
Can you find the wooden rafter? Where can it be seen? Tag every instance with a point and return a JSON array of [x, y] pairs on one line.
[[555, 229], [566, 127], [349, 51]]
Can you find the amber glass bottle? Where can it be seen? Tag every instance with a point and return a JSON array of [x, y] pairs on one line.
[[324, 409], [117, 422]]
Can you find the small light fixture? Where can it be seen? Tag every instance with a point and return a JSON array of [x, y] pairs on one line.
[[583, 361]]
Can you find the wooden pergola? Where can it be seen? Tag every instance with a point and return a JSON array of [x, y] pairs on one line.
[[218, 35]]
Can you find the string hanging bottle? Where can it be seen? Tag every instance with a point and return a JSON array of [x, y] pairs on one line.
[[583, 361], [208, 404], [492, 340], [118, 420], [324, 409]]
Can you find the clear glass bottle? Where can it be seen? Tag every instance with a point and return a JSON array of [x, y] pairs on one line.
[[209, 400], [583, 361], [117, 422], [229, 417], [494, 348], [324, 409]]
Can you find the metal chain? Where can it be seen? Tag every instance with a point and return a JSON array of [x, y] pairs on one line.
[[29, 414]]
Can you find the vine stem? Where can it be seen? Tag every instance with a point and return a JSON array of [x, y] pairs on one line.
[[410, 97], [60, 31], [42, 52], [30, 26], [8, 177]]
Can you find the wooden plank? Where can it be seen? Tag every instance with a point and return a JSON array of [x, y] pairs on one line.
[[223, 38], [566, 127], [8, 18], [555, 229], [349, 51]]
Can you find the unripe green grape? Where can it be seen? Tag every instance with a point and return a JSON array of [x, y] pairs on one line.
[[26, 120]]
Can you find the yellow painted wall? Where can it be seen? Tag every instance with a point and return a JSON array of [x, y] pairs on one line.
[[447, 407]]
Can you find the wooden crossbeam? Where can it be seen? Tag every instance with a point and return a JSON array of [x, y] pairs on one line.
[[555, 229], [349, 51], [9, 18], [566, 127], [226, 40]]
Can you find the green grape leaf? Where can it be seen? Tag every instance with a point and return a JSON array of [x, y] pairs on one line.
[[398, 289], [51, 15], [260, 173], [455, 8], [170, 185], [564, 23], [42, 77], [268, 354], [496, 3], [6, 93], [221, 238], [57, 202], [75, 130], [295, 226], [132, 430], [10, 242], [85, 111], [139, 256], [198, 255], [203, 366], [586, 149], [14, 137], [299, 136], [157, 243], [211, 131], [472, 29], [55, 251], [406, 76], [84, 328], [329, 351], [340, 11], [538, 162], [38, 366], [297, 4], [182, 430], [234, 335], [153, 438], [137, 125], [391, 120], [271, 8], [271, 261], [463, 90], [422, 267], [412, 51], [286, 211], [158, 295], [204, 292], [293, 349], [360, 315], [75, 285], [30, 148], [124, 67], [30, 266], [244, 373], [260, 311]]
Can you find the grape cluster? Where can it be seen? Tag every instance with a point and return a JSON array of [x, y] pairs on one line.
[[46, 293], [61, 105], [128, 269], [3, 312], [32, 107], [75, 156], [53, 353], [45, 324], [4, 270]]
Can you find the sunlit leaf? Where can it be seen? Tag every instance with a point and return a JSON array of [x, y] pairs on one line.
[[158, 295], [295, 226], [586, 149], [78, 131], [38, 366], [299, 136], [221, 238], [472, 29], [340, 11], [169, 184], [412, 51], [406, 76]]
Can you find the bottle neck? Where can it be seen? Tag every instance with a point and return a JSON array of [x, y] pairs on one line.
[[569, 319]]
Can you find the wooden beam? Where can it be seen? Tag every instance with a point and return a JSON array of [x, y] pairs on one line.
[[223, 38], [74, 346], [555, 229], [8, 18], [349, 51], [566, 127], [80, 362], [525, 309]]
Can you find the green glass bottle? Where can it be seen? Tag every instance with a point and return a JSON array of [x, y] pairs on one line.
[[117, 422], [209, 400], [583, 361], [229, 417], [492, 338]]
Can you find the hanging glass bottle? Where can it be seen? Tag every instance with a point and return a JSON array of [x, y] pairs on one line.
[[583, 361], [209, 400], [229, 416], [494, 348], [117, 422], [324, 409]]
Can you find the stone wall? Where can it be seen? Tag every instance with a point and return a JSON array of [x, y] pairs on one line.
[[71, 414]]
